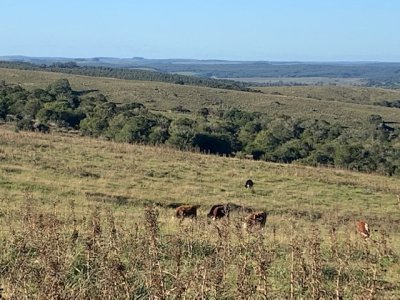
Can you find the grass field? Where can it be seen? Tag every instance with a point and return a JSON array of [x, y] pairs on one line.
[[346, 105], [357, 95], [85, 218], [303, 80]]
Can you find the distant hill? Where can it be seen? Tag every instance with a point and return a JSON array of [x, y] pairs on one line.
[[374, 73], [145, 74]]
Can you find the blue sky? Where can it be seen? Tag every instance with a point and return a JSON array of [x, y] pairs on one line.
[[306, 30]]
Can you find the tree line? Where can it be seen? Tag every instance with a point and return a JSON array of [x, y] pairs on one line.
[[128, 74], [231, 132]]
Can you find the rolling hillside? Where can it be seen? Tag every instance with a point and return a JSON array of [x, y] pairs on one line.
[[70, 186], [348, 106]]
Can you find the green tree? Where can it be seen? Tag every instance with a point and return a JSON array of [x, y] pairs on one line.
[[96, 122], [248, 133], [291, 151], [323, 155], [88, 103], [265, 142], [182, 133], [60, 86], [94, 125], [239, 117], [319, 131], [32, 107], [285, 128], [42, 95], [61, 114], [354, 157], [158, 135], [131, 128]]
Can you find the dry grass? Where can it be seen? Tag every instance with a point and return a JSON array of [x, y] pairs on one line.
[[84, 218], [357, 95]]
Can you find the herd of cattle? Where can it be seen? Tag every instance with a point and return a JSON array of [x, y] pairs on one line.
[[253, 219], [219, 211]]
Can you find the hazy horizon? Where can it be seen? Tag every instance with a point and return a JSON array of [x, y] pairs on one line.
[[286, 31], [208, 59]]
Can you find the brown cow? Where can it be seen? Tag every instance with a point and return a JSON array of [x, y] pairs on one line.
[[187, 211], [219, 211], [363, 229], [256, 219]]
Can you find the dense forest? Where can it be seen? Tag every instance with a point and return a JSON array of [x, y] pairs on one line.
[[231, 132]]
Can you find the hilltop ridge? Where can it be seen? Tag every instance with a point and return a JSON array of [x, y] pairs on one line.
[[367, 73]]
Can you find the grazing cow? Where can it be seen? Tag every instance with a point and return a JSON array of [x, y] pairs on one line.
[[249, 184], [187, 211], [219, 211], [256, 219], [362, 229]]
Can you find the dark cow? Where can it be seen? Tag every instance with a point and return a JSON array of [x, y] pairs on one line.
[[256, 219], [249, 184], [219, 211], [186, 211], [363, 229]]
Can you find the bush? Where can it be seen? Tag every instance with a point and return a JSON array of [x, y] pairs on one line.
[[60, 86], [61, 114], [291, 151], [182, 133]]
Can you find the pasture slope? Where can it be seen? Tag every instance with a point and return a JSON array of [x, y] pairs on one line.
[[85, 218], [348, 106]]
